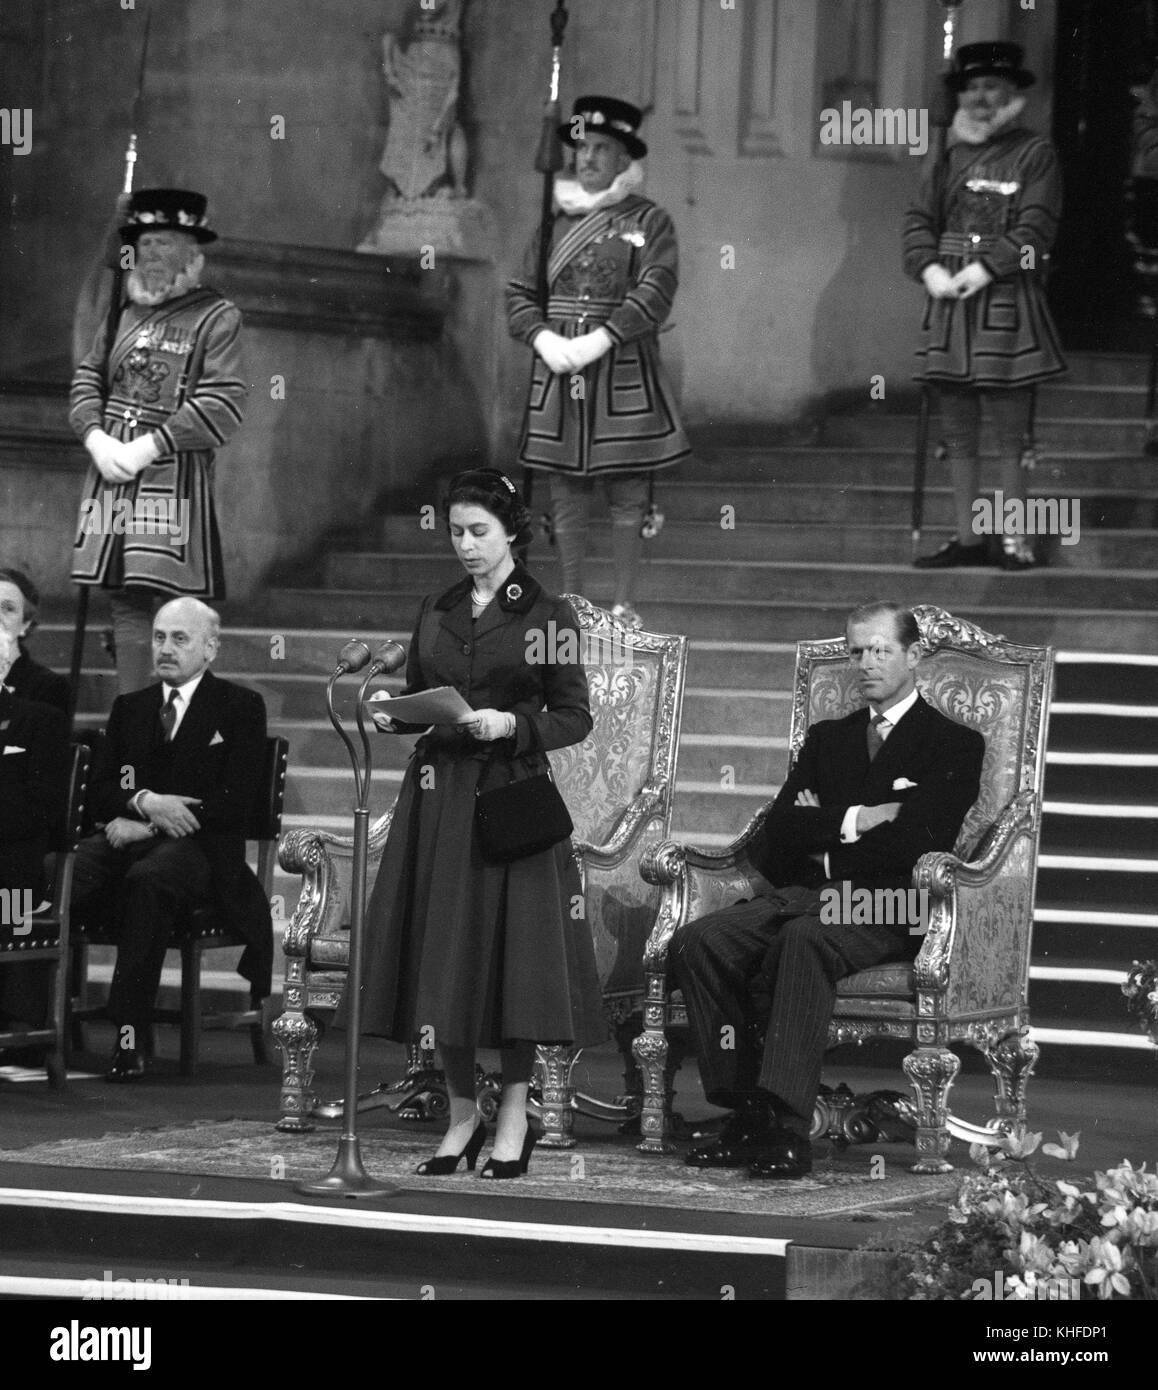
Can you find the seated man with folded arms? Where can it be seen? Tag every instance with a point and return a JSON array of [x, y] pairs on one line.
[[865, 798], [173, 793], [34, 762]]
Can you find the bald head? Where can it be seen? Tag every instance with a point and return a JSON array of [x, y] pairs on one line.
[[186, 634]]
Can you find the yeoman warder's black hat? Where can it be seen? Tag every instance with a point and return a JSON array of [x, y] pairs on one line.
[[998, 59], [167, 210], [607, 116]]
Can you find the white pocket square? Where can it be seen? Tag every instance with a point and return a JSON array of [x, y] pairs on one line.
[[902, 784], [216, 739], [14, 748]]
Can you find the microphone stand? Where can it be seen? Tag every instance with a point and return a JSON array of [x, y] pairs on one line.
[[348, 1176]]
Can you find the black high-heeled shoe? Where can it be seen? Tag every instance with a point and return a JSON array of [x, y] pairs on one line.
[[442, 1164], [513, 1167]]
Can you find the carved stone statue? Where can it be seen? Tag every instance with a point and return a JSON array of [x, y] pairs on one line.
[[425, 150], [426, 203]]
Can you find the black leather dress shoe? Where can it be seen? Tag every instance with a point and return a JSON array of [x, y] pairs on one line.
[[128, 1065], [783, 1155], [743, 1137], [953, 555]]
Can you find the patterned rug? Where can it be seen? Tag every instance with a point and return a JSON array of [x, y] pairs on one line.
[[872, 1182]]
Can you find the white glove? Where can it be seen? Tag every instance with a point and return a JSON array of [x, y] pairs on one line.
[[938, 281], [555, 350], [972, 278], [590, 347], [108, 455], [382, 722], [140, 452]]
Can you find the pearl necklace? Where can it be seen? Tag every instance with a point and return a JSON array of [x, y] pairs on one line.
[[479, 602]]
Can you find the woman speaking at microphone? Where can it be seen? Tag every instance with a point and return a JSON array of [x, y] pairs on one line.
[[484, 951]]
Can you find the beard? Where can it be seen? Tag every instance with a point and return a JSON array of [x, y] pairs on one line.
[[151, 285]]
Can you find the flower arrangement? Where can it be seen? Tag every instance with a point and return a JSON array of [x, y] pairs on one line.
[[1141, 991], [1011, 1234]]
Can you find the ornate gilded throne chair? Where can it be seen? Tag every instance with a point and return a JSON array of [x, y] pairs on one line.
[[970, 980], [618, 786]]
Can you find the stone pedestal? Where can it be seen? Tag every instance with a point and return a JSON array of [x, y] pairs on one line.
[[458, 227]]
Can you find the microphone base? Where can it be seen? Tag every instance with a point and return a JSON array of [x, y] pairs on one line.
[[347, 1178]]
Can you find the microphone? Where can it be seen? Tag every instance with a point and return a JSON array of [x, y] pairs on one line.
[[353, 656], [389, 657]]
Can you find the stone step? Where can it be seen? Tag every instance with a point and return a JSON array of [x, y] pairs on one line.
[[1087, 676], [1096, 880], [881, 430], [763, 513], [877, 543], [772, 581], [1110, 946], [1086, 826], [756, 621], [1106, 784], [1101, 733], [1103, 369], [891, 465]]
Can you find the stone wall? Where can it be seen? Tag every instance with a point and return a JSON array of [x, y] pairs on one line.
[[791, 286]]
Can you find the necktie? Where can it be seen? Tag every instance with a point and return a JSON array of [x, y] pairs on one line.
[[875, 738], [169, 715]]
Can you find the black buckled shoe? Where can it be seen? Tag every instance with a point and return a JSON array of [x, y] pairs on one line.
[[743, 1137], [783, 1155], [953, 555], [128, 1065]]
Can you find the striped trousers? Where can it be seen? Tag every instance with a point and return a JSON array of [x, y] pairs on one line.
[[772, 964]]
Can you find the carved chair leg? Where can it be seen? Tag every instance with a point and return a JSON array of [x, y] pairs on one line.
[[931, 1072], [1011, 1062], [626, 1031], [297, 1036], [651, 1053], [553, 1066]]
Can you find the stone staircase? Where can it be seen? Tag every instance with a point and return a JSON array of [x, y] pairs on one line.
[[764, 545]]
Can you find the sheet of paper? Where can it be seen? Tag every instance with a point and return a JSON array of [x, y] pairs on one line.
[[442, 705]]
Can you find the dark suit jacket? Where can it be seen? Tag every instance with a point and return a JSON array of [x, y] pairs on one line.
[[28, 680], [943, 758], [217, 755], [33, 785]]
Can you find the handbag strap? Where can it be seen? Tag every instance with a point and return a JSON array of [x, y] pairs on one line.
[[536, 747]]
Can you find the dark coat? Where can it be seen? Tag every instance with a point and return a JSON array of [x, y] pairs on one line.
[[943, 758], [28, 680], [33, 785], [217, 755], [480, 952], [1003, 335]]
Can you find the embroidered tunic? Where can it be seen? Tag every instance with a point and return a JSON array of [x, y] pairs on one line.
[[175, 369], [617, 268], [999, 204]]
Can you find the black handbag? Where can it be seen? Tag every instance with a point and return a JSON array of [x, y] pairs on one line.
[[523, 817]]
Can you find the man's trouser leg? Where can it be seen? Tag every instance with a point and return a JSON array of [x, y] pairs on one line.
[[132, 609], [570, 508], [713, 960], [961, 432], [627, 499], [158, 889], [804, 960]]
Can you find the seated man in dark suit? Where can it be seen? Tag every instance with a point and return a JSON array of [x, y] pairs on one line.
[[34, 762], [863, 801], [173, 789], [27, 679]]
